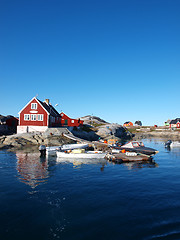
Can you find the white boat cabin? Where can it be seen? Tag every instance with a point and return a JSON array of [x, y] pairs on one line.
[[133, 144]]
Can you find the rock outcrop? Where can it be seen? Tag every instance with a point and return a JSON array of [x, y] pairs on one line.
[[114, 130], [28, 140]]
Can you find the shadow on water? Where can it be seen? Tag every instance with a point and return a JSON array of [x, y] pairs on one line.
[[140, 165], [174, 151]]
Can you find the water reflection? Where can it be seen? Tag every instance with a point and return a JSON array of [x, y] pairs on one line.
[[139, 165], [79, 162], [32, 170]]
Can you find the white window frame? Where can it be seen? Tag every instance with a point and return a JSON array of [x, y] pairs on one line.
[[26, 117], [40, 117], [33, 105], [33, 117]]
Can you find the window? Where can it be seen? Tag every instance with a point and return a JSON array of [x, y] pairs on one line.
[[135, 144], [26, 117], [40, 117], [72, 121], [33, 105], [33, 117]]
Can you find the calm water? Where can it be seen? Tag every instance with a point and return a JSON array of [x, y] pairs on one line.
[[43, 199]]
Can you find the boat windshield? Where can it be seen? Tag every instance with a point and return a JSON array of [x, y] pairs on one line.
[[135, 144]]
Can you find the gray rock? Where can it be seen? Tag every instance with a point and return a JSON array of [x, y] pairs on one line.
[[114, 129]]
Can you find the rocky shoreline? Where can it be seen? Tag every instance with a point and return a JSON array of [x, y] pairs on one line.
[[55, 137], [30, 140], [163, 134]]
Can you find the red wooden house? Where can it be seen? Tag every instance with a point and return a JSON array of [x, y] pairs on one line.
[[67, 121], [128, 124], [175, 123], [38, 116], [8, 124]]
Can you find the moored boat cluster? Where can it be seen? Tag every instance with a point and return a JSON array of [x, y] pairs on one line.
[[132, 151]]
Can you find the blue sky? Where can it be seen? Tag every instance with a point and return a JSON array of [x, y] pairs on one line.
[[118, 59]]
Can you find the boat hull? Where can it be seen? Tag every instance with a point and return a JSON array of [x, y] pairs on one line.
[[89, 154], [142, 150], [52, 150], [123, 157], [172, 144]]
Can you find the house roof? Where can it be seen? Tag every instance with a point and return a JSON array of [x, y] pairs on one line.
[[62, 114], [127, 122], [3, 119], [49, 108], [174, 121]]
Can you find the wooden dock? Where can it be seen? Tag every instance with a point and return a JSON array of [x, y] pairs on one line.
[[122, 157]]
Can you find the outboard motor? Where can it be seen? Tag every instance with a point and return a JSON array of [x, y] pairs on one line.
[[168, 143], [42, 150]]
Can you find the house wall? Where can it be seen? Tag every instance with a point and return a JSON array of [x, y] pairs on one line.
[[71, 122], [172, 125], [178, 124], [67, 121], [12, 122], [26, 129], [128, 124], [28, 110]]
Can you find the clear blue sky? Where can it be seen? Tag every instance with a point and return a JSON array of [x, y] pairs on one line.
[[116, 59]]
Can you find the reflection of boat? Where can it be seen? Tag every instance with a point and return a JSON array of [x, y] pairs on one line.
[[171, 144], [81, 161], [81, 153], [137, 147], [53, 149], [140, 165]]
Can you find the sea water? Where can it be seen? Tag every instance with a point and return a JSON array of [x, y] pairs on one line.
[[42, 198]]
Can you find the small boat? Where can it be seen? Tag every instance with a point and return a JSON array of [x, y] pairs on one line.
[[52, 150], [171, 144], [127, 157], [137, 147], [80, 153], [74, 146]]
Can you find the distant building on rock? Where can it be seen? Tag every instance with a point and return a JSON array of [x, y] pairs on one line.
[[70, 122], [128, 124], [138, 123], [175, 123], [8, 124]]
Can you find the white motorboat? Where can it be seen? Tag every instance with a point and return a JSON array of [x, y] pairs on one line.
[[52, 150], [172, 144], [80, 153], [137, 147], [74, 146]]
